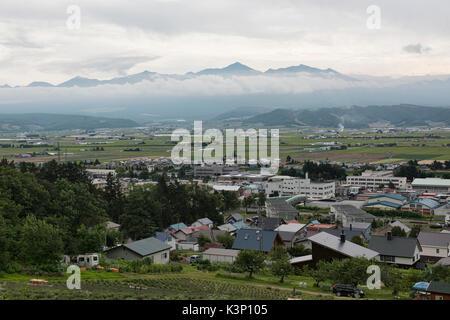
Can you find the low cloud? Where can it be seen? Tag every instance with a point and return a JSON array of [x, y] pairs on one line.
[[416, 48], [118, 65]]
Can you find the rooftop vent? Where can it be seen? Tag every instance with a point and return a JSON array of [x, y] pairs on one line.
[[342, 236], [389, 235]]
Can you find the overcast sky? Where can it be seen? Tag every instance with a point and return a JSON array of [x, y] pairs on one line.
[[120, 37]]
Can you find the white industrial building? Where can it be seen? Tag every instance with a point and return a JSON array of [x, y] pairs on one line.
[[289, 186], [373, 179]]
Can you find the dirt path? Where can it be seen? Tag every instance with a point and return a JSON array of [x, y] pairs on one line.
[[307, 292]]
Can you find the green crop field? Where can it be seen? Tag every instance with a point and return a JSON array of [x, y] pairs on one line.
[[190, 284], [359, 148]]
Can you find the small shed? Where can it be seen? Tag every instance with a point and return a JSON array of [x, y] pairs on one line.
[[215, 255]]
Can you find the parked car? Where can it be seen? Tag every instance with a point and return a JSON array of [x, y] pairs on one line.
[[348, 290], [194, 259]]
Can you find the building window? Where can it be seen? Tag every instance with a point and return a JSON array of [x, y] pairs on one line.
[[437, 250], [387, 258]]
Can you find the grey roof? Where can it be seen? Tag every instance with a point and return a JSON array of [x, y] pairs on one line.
[[227, 227], [147, 246], [236, 216], [112, 225], [250, 239], [439, 287], [222, 252], [444, 262], [349, 210], [205, 221], [348, 234], [211, 234], [270, 223], [400, 225], [282, 208], [360, 226], [287, 235], [397, 246], [434, 239], [346, 248], [301, 259]]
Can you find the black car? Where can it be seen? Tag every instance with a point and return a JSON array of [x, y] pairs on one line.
[[348, 290]]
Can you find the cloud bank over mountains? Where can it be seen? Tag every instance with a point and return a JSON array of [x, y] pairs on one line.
[[212, 91]]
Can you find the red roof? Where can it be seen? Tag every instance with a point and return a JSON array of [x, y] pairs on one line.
[[292, 221], [200, 228], [320, 226], [213, 245], [186, 230]]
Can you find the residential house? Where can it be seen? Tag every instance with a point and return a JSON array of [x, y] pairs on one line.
[[349, 234], [240, 225], [112, 225], [188, 245], [326, 247], [439, 290], [349, 214], [268, 223], [401, 225], [203, 222], [167, 238], [177, 226], [364, 227], [233, 218], [443, 262], [256, 239], [291, 233], [209, 233], [220, 255], [182, 234], [404, 252], [227, 227], [280, 208], [435, 246], [149, 248]]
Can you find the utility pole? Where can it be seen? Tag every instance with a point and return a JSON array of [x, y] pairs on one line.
[[59, 152]]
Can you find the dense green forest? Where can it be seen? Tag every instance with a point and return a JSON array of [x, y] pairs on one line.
[[54, 209]]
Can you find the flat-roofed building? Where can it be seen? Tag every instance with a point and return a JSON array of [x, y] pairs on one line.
[[373, 179], [431, 185], [290, 186]]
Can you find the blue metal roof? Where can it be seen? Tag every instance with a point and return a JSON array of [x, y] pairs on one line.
[[162, 236], [250, 239], [430, 203], [240, 225], [421, 286], [177, 226], [390, 195], [384, 203]]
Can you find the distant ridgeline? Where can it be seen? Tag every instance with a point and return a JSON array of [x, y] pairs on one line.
[[53, 122], [355, 117]]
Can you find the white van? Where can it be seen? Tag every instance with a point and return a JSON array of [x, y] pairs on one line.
[[87, 260]]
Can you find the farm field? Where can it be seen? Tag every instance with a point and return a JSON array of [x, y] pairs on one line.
[[360, 148], [190, 284]]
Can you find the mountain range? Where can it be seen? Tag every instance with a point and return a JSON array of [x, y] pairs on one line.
[[235, 69], [355, 117], [50, 122]]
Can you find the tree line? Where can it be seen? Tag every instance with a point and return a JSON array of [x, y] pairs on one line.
[[54, 209]]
